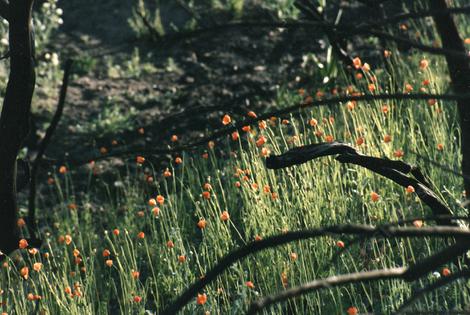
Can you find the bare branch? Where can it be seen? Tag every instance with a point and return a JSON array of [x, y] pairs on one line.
[[31, 222], [393, 170], [465, 273], [132, 151], [274, 241], [383, 274]]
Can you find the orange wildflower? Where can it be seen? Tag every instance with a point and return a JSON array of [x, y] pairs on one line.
[[109, 263], [140, 159], [340, 244], [23, 243], [252, 114], [329, 138], [202, 224], [137, 299], [352, 310], [135, 274], [293, 256], [385, 109], [398, 153], [167, 173], [63, 170], [250, 284], [387, 53], [116, 232], [265, 152], [258, 238], [360, 141], [432, 102], [387, 138], [160, 199], [313, 122], [226, 120], [357, 63], [440, 147], [410, 189], [24, 272], [423, 64], [418, 223], [206, 195], [178, 160], [374, 196], [262, 125], [106, 253], [261, 141], [103, 150], [141, 235], [181, 258], [225, 216], [246, 128], [156, 211], [37, 266], [446, 272], [408, 88], [174, 138], [235, 136], [201, 299], [68, 239], [170, 244]]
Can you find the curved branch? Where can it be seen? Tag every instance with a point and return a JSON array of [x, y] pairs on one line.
[[131, 151], [383, 274], [31, 222], [274, 241]]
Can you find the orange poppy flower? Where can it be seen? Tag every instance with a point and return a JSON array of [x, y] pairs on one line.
[[23, 243], [137, 299], [206, 195], [357, 63], [423, 64], [440, 146], [265, 152], [141, 235], [156, 211], [170, 244], [329, 138], [24, 272], [418, 223], [181, 258], [135, 274], [116, 232], [258, 238], [167, 173], [106, 253], [387, 138], [109, 263], [408, 88], [446, 272], [352, 310], [225, 216], [201, 299], [262, 125], [340, 244], [63, 170], [374, 196], [174, 138], [37, 266], [261, 141], [160, 199], [250, 284], [293, 256], [68, 239], [398, 153], [226, 120], [360, 141], [178, 160], [202, 224], [246, 128], [313, 122], [410, 189], [252, 114]]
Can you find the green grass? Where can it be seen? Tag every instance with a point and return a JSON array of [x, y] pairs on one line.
[[315, 194]]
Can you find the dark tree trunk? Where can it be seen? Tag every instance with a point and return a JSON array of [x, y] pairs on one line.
[[459, 69], [15, 116]]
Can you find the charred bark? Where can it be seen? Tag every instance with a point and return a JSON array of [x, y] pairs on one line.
[[15, 116]]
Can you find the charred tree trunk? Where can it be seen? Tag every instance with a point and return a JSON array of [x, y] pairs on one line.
[[15, 116], [459, 69]]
